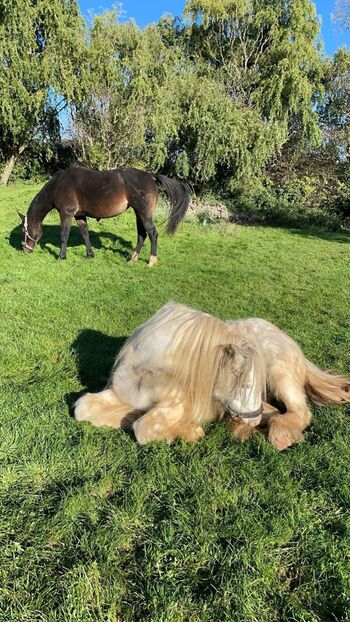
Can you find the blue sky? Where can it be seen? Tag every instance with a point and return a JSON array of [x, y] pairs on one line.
[[146, 11]]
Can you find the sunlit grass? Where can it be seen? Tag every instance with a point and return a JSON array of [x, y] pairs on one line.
[[96, 528]]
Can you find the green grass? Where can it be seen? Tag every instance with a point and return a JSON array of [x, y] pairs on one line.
[[95, 528]]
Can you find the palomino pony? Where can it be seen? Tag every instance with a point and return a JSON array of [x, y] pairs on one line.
[[80, 192], [184, 368]]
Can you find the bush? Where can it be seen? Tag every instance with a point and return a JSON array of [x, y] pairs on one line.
[[288, 202]]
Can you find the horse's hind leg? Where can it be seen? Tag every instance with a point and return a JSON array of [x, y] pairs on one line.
[[82, 224], [153, 236], [144, 213], [287, 429], [141, 236]]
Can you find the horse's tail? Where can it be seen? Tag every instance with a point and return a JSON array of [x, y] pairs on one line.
[[325, 388], [179, 195]]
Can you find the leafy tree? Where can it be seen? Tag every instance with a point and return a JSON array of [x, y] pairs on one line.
[[342, 13], [41, 51], [129, 114], [335, 110], [264, 52]]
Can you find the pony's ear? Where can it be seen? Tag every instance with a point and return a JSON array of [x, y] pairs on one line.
[[22, 216], [229, 350], [233, 354]]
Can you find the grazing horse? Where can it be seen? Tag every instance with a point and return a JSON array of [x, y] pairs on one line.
[[80, 192], [184, 368]]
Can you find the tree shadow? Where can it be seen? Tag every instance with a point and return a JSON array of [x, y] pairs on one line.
[[342, 237], [52, 236], [95, 354]]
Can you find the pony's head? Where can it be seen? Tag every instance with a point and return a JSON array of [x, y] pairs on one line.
[[31, 233], [241, 381]]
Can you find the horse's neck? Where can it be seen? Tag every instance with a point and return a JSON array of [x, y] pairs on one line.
[[38, 210]]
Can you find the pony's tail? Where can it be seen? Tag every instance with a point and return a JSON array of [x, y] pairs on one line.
[[179, 195], [325, 388]]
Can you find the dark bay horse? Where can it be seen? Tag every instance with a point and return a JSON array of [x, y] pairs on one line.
[[80, 192]]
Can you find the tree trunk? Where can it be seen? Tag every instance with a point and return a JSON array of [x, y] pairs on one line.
[[10, 165]]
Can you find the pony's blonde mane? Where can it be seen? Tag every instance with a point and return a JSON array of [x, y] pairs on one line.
[[196, 353]]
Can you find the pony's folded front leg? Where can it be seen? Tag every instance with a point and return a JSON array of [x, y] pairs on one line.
[[166, 421], [287, 429], [104, 408]]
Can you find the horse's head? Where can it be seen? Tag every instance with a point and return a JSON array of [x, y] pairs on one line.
[[241, 382], [31, 233]]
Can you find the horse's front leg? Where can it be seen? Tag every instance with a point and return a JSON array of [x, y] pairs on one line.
[[66, 223], [84, 230], [166, 421]]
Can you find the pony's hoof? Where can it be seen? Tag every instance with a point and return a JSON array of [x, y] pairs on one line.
[[61, 258], [153, 260], [91, 256], [193, 435], [281, 436], [241, 431]]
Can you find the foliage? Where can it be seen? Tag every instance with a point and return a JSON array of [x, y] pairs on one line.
[[236, 98], [130, 112], [287, 202], [335, 110], [342, 13], [201, 99], [41, 49], [94, 528]]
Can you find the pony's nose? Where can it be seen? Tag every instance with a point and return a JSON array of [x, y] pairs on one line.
[[253, 418], [252, 422]]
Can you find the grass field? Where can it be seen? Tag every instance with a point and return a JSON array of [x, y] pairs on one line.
[[94, 528]]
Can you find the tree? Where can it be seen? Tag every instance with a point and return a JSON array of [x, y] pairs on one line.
[[128, 115], [265, 53], [335, 110], [41, 51], [342, 13]]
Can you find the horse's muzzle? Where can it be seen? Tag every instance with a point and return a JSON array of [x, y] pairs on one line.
[[27, 249]]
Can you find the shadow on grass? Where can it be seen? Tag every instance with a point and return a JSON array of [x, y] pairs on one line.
[[342, 237], [52, 235], [95, 354]]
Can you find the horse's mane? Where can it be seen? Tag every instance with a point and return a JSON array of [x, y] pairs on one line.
[[43, 200], [196, 353]]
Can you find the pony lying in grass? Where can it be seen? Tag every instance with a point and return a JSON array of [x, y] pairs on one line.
[[184, 368]]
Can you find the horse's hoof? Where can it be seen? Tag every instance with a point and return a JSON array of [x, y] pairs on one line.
[[134, 257], [61, 258], [91, 256], [153, 260]]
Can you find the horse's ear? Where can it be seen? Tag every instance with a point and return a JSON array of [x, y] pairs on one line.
[[22, 216]]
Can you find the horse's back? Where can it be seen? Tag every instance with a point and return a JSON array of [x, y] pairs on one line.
[[100, 194]]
